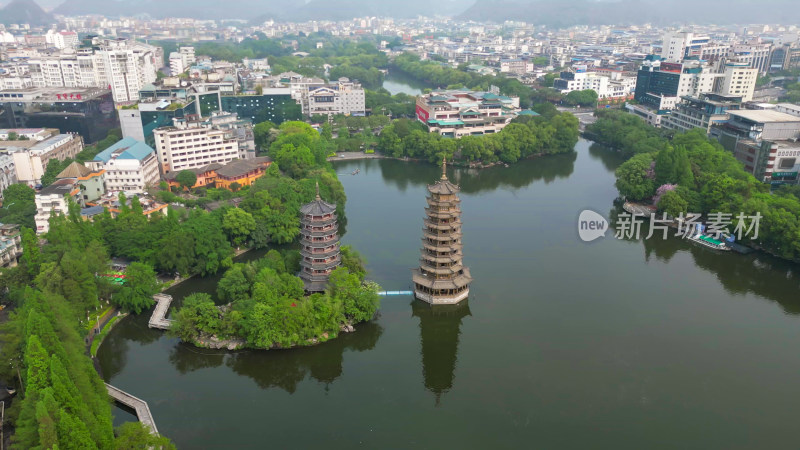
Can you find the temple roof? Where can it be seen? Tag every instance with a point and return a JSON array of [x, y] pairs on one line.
[[318, 207]]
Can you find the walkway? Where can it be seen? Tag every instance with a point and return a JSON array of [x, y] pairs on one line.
[[135, 403], [158, 319], [384, 293]]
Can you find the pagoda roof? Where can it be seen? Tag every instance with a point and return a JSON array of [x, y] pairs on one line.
[[453, 283], [318, 207], [443, 187]]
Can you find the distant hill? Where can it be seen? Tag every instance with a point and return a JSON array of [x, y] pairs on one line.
[[263, 9], [25, 11], [565, 13]]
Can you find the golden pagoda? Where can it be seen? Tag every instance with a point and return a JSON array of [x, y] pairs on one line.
[[441, 277]]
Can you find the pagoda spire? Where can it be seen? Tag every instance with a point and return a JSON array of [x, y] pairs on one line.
[[318, 197], [444, 168]]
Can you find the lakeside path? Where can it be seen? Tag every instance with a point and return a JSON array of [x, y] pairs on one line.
[[349, 156]]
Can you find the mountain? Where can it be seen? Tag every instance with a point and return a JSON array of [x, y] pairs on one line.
[[263, 9], [25, 11], [564, 13]]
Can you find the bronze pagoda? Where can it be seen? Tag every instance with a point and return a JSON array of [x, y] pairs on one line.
[[319, 243], [441, 277]]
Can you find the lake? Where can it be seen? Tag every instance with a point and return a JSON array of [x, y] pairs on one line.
[[396, 82], [561, 344]]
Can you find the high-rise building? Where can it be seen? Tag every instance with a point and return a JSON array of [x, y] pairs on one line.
[[319, 243], [441, 277]]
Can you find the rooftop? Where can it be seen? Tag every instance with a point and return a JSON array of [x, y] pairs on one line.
[[59, 187], [764, 115], [127, 148]]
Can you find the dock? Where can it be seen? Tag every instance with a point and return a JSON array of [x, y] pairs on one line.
[[135, 403], [159, 318], [639, 210]]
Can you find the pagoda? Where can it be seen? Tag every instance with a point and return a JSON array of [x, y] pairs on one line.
[[319, 243], [441, 277]]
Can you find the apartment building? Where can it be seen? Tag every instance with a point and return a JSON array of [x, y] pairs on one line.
[[190, 144], [124, 66], [516, 65], [55, 199], [458, 113], [130, 166], [62, 39]]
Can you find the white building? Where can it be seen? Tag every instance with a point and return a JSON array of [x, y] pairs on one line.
[[180, 61], [130, 166], [193, 144], [54, 199], [740, 80], [30, 161], [62, 39], [677, 46], [124, 65], [344, 97], [518, 66], [8, 174], [609, 86]]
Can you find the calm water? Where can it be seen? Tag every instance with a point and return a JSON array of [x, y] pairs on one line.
[[614, 344], [396, 83]]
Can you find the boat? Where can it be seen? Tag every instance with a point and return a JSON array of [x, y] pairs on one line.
[[355, 172], [708, 241]]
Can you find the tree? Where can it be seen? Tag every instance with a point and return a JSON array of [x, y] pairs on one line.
[[13, 136], [262, 135], [186, 178], [197, 316], [633, 181], [234, 285], [136, 436], [673, 204], [140, 285], [19, 206], [238, 224]]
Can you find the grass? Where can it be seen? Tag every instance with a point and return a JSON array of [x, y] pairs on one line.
[[99, 338]]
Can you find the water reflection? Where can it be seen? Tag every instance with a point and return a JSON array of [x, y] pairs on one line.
[[756, 273], [285, 369], [610, 159], [440, 327], [402, 174]]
